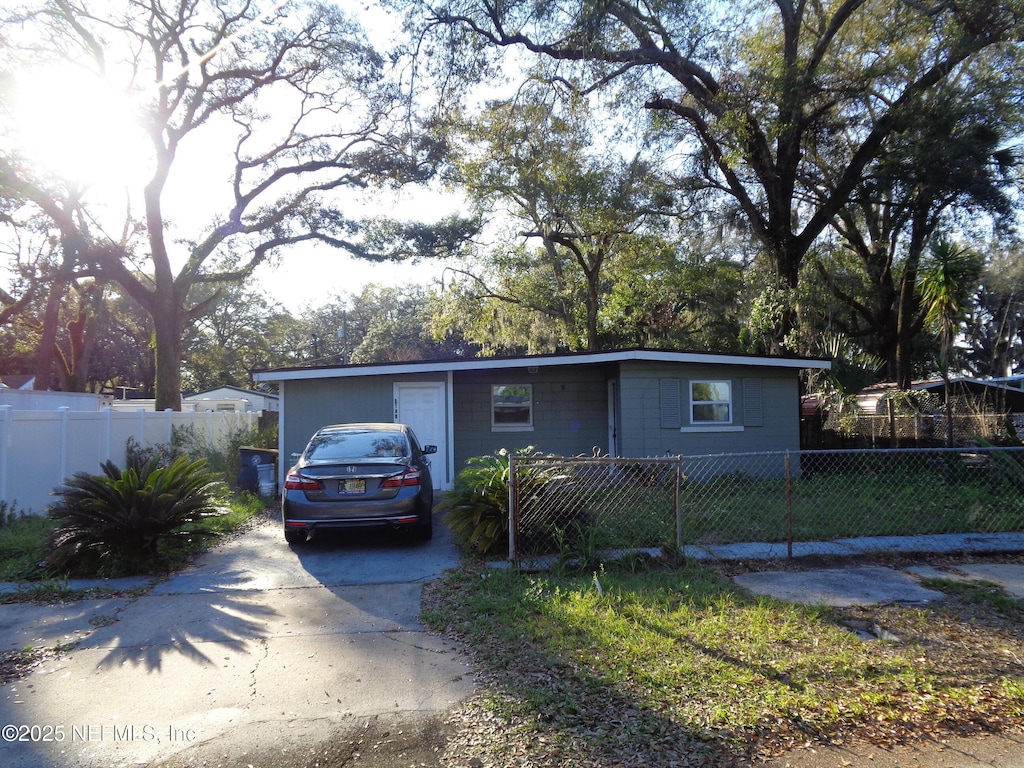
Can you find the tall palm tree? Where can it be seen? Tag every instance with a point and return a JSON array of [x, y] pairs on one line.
[[947, 279]]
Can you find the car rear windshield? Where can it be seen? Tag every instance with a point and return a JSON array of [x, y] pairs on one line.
[[344, 446]]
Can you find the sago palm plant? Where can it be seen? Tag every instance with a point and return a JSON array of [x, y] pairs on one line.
[[477, 506], [113, 523]]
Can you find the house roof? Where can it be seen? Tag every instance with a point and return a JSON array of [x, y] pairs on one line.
[[1000, 388], [240, 390], [17, 380], [538, 361]]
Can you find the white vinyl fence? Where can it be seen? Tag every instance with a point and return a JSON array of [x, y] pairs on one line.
[[39, 449]]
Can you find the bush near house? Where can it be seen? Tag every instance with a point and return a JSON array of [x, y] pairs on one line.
[[477, 507]]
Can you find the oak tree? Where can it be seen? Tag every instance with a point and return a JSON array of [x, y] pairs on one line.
[[255, 116]]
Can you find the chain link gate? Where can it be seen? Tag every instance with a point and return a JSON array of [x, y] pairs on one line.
[[578, 505], [582, 506]]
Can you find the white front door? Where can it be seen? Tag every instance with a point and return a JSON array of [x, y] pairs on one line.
[[421, 405]]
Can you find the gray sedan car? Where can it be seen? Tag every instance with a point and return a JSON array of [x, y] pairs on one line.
[[360, 476]]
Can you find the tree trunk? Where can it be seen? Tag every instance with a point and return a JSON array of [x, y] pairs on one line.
[[169, 323], [48, 340], [907, 315]]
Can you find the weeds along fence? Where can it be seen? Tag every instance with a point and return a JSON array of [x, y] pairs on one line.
[[580, 506], [920, 430], [40, 449]]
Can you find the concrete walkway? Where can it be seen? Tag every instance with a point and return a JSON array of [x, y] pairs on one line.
[[257, 650], [949, 543], [261, 647]]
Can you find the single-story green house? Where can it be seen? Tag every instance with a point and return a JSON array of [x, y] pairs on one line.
[[634, 403]]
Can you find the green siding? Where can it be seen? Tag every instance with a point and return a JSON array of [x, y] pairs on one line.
[[309, 405], [570, 411], [642, 431]]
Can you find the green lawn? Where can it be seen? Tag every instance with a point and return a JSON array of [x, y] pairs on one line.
[[21, 542], [734, 508], [679, 662], [23, 539]]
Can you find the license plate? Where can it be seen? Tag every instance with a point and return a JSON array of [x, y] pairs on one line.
[[352, 486]]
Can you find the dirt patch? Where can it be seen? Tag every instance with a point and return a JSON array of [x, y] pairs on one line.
[[376, 743], [15, 665]]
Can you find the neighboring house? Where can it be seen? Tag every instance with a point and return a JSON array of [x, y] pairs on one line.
[[1016, 381], [42, 400], [1001, 395], [219, 400], [636, 403], [258, 401], [17, 381]]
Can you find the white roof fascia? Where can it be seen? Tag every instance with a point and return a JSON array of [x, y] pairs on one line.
[[501, 363], [990, 383]]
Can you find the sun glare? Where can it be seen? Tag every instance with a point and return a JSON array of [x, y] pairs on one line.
[[80, 127]]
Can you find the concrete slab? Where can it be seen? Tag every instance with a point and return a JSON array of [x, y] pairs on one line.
[[749, 551], [1007, 575], [937, 543], [207, 665], [1010, 576], [46, 626], [352, 558], [840, 587], [112, 585], [777, 550], [868, 545]]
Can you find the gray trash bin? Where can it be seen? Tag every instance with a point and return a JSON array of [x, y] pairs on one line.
[[258, 471]]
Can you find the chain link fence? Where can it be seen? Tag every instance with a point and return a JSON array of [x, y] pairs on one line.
[[920, 430], [580, 506]]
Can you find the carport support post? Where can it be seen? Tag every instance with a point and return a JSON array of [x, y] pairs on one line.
[[789, 509]]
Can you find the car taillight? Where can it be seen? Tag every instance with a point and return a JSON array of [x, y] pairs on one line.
[[410, 477], [297, 482]]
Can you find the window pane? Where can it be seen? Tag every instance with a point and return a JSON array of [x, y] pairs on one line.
[[711, 401], [707, 412], [512, 404], [343, 446], [710, 391]]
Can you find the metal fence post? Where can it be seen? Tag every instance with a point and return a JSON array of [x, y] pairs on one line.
[[5, 436], [513, 516], [679, 506], [789, 508]]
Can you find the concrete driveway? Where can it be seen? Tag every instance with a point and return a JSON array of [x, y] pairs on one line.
[[252, 656]]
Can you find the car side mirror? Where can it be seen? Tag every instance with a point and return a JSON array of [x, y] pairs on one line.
[[427, 449]]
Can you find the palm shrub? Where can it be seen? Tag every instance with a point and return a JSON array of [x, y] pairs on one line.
[[113, 523], [477, 506]]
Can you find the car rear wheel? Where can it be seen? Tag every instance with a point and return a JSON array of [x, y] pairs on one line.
[[424, 528], [295, 536]]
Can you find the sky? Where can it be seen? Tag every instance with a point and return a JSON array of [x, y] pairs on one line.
[[311, 276], [304, 277]]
